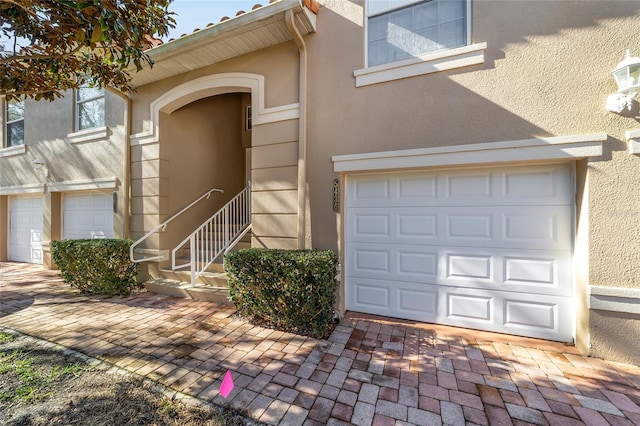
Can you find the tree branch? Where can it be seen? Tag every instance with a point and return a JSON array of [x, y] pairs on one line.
[[38, 56]]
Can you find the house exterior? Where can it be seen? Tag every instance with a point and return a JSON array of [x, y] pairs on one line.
[[63, 172], [456, 154]]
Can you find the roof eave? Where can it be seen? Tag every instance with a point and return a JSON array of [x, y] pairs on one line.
[[201, 43]]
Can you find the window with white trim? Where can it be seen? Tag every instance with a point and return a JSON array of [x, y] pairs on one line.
[[14, 123], [403, 29], [89, 108]]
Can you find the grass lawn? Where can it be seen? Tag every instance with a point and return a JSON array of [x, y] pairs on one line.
[[44, 386]]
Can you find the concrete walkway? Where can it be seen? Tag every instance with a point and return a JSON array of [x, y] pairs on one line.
[[370, 371]]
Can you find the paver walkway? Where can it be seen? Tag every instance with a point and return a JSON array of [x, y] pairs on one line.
[[370, 371]]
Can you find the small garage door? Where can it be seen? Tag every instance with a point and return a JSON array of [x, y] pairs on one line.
[[88, 216], [487, 248], [25, 229]]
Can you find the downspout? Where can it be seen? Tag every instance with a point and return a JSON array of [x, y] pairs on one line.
[[126, 169], [304, 240]]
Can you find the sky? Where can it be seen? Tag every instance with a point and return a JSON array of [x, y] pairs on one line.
[[192, 14]]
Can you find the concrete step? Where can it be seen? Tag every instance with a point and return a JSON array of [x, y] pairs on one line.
[[184, 290], [214, 267], [186, 251], [208, 278]]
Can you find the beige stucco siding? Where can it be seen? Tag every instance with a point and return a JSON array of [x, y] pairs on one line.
[[194, 167], [278, 65], [546, 72], [73, 168]]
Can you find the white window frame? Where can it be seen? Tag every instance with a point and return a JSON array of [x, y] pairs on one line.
[[439, 60], [403, 5], [7, 122], [86, 101]]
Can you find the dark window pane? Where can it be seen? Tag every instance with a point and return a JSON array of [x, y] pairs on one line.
[[91, 114], [15, 133]]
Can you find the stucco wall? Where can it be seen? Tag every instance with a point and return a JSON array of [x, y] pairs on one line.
[[546, 73], [272, 150], [47, 125], [204, 151], [278, 65]]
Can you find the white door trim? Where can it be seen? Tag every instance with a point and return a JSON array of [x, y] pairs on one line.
[[526, 150]]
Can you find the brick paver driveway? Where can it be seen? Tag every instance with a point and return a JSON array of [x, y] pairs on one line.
[[370, 371]]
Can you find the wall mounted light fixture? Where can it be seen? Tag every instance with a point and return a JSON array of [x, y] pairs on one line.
[[40, 167], [627, 76]]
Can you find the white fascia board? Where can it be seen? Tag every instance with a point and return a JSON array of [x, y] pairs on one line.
[[615, 299], [203, 36], [540, 149], [84, 185], [22, 189]]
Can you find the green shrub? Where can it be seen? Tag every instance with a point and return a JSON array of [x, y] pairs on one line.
[[98, 266], [290, 290]]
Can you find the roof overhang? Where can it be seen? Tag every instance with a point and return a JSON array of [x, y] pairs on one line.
[[246, 33]]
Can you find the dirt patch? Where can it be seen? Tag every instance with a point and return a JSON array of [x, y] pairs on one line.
[[42, 385]]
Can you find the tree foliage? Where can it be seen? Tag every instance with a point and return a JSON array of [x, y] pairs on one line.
[[48, 46]]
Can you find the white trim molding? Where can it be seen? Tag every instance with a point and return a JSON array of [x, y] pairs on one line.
[[36, 188], [84, 185], [526, 150], [633, 139], [615, 299], [426, 64], [89, 135], [212, 85], [13, 150]]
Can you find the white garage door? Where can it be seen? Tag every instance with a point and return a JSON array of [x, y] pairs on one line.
[[25, 229], [487, 248], [88, 216]]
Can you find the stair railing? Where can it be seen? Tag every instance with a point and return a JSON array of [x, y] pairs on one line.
[[216, 236], [163, 227]]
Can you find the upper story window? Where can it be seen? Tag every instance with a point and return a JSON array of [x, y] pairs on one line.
[[89, 108], [14, 119], [403, 29]]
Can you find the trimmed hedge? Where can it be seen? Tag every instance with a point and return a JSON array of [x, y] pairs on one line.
[[97, 266], [290, 290]]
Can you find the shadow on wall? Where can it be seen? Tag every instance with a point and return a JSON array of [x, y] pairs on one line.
[[614, 336], [530, 86]]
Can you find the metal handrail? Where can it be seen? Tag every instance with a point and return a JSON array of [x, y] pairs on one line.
[[208, 242], [163, 226]]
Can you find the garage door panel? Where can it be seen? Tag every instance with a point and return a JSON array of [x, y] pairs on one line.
[[415, 189], [469, 267], [530, 185], [543, 316], [88, 216], [393, 262], [509, 227], [547, 184], [523, 271], [25, 229], [472, 309], [416, 302], [527, 271], [468, 187], [372, 190], [422, 303], [483, 248], [371, 224], [371, 294]]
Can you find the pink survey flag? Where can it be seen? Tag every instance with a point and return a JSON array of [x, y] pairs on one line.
[[227, 384]]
